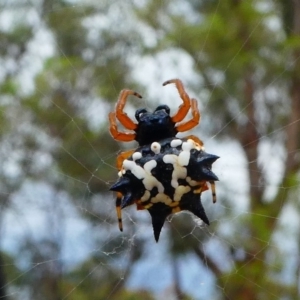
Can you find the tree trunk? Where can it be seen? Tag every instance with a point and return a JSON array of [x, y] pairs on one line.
[[3, 294]]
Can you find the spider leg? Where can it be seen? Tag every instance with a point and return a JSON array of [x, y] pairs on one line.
[[141, 206], [192, 122], [185, 106], [204, 187], [116, 134], [118, 209], [122, 116], [213, 191], [196, 140], [122, 156]]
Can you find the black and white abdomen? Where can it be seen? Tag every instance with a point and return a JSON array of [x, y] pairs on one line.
[[166, 177]]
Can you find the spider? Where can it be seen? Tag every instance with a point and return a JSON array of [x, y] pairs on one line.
[[150, 129]]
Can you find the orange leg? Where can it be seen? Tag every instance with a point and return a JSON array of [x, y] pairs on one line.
[[118, 209], [196, 140], [204, 187], [122, 116], [142, 206], [213, 191], [201, 188], [122, 156], [185, 106], [116, 134], [192, 122]]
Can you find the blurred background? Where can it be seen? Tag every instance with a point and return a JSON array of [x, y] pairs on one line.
[[63, 64]]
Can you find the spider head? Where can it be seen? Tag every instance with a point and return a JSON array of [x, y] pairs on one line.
[[154, 126]]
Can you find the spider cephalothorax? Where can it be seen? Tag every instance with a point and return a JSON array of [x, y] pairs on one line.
[[154, 126], [166, 174]]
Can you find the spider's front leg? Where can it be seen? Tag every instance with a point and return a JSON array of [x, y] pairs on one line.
[[116, 134], [120, 114], [185, 106], [192, 122]]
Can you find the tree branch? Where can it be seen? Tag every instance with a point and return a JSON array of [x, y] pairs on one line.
[[207, 261]]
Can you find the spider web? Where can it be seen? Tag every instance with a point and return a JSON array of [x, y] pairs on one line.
[[49, 233]]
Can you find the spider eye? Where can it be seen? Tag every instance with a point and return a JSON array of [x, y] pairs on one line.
[[139, 113], [166, 108]]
